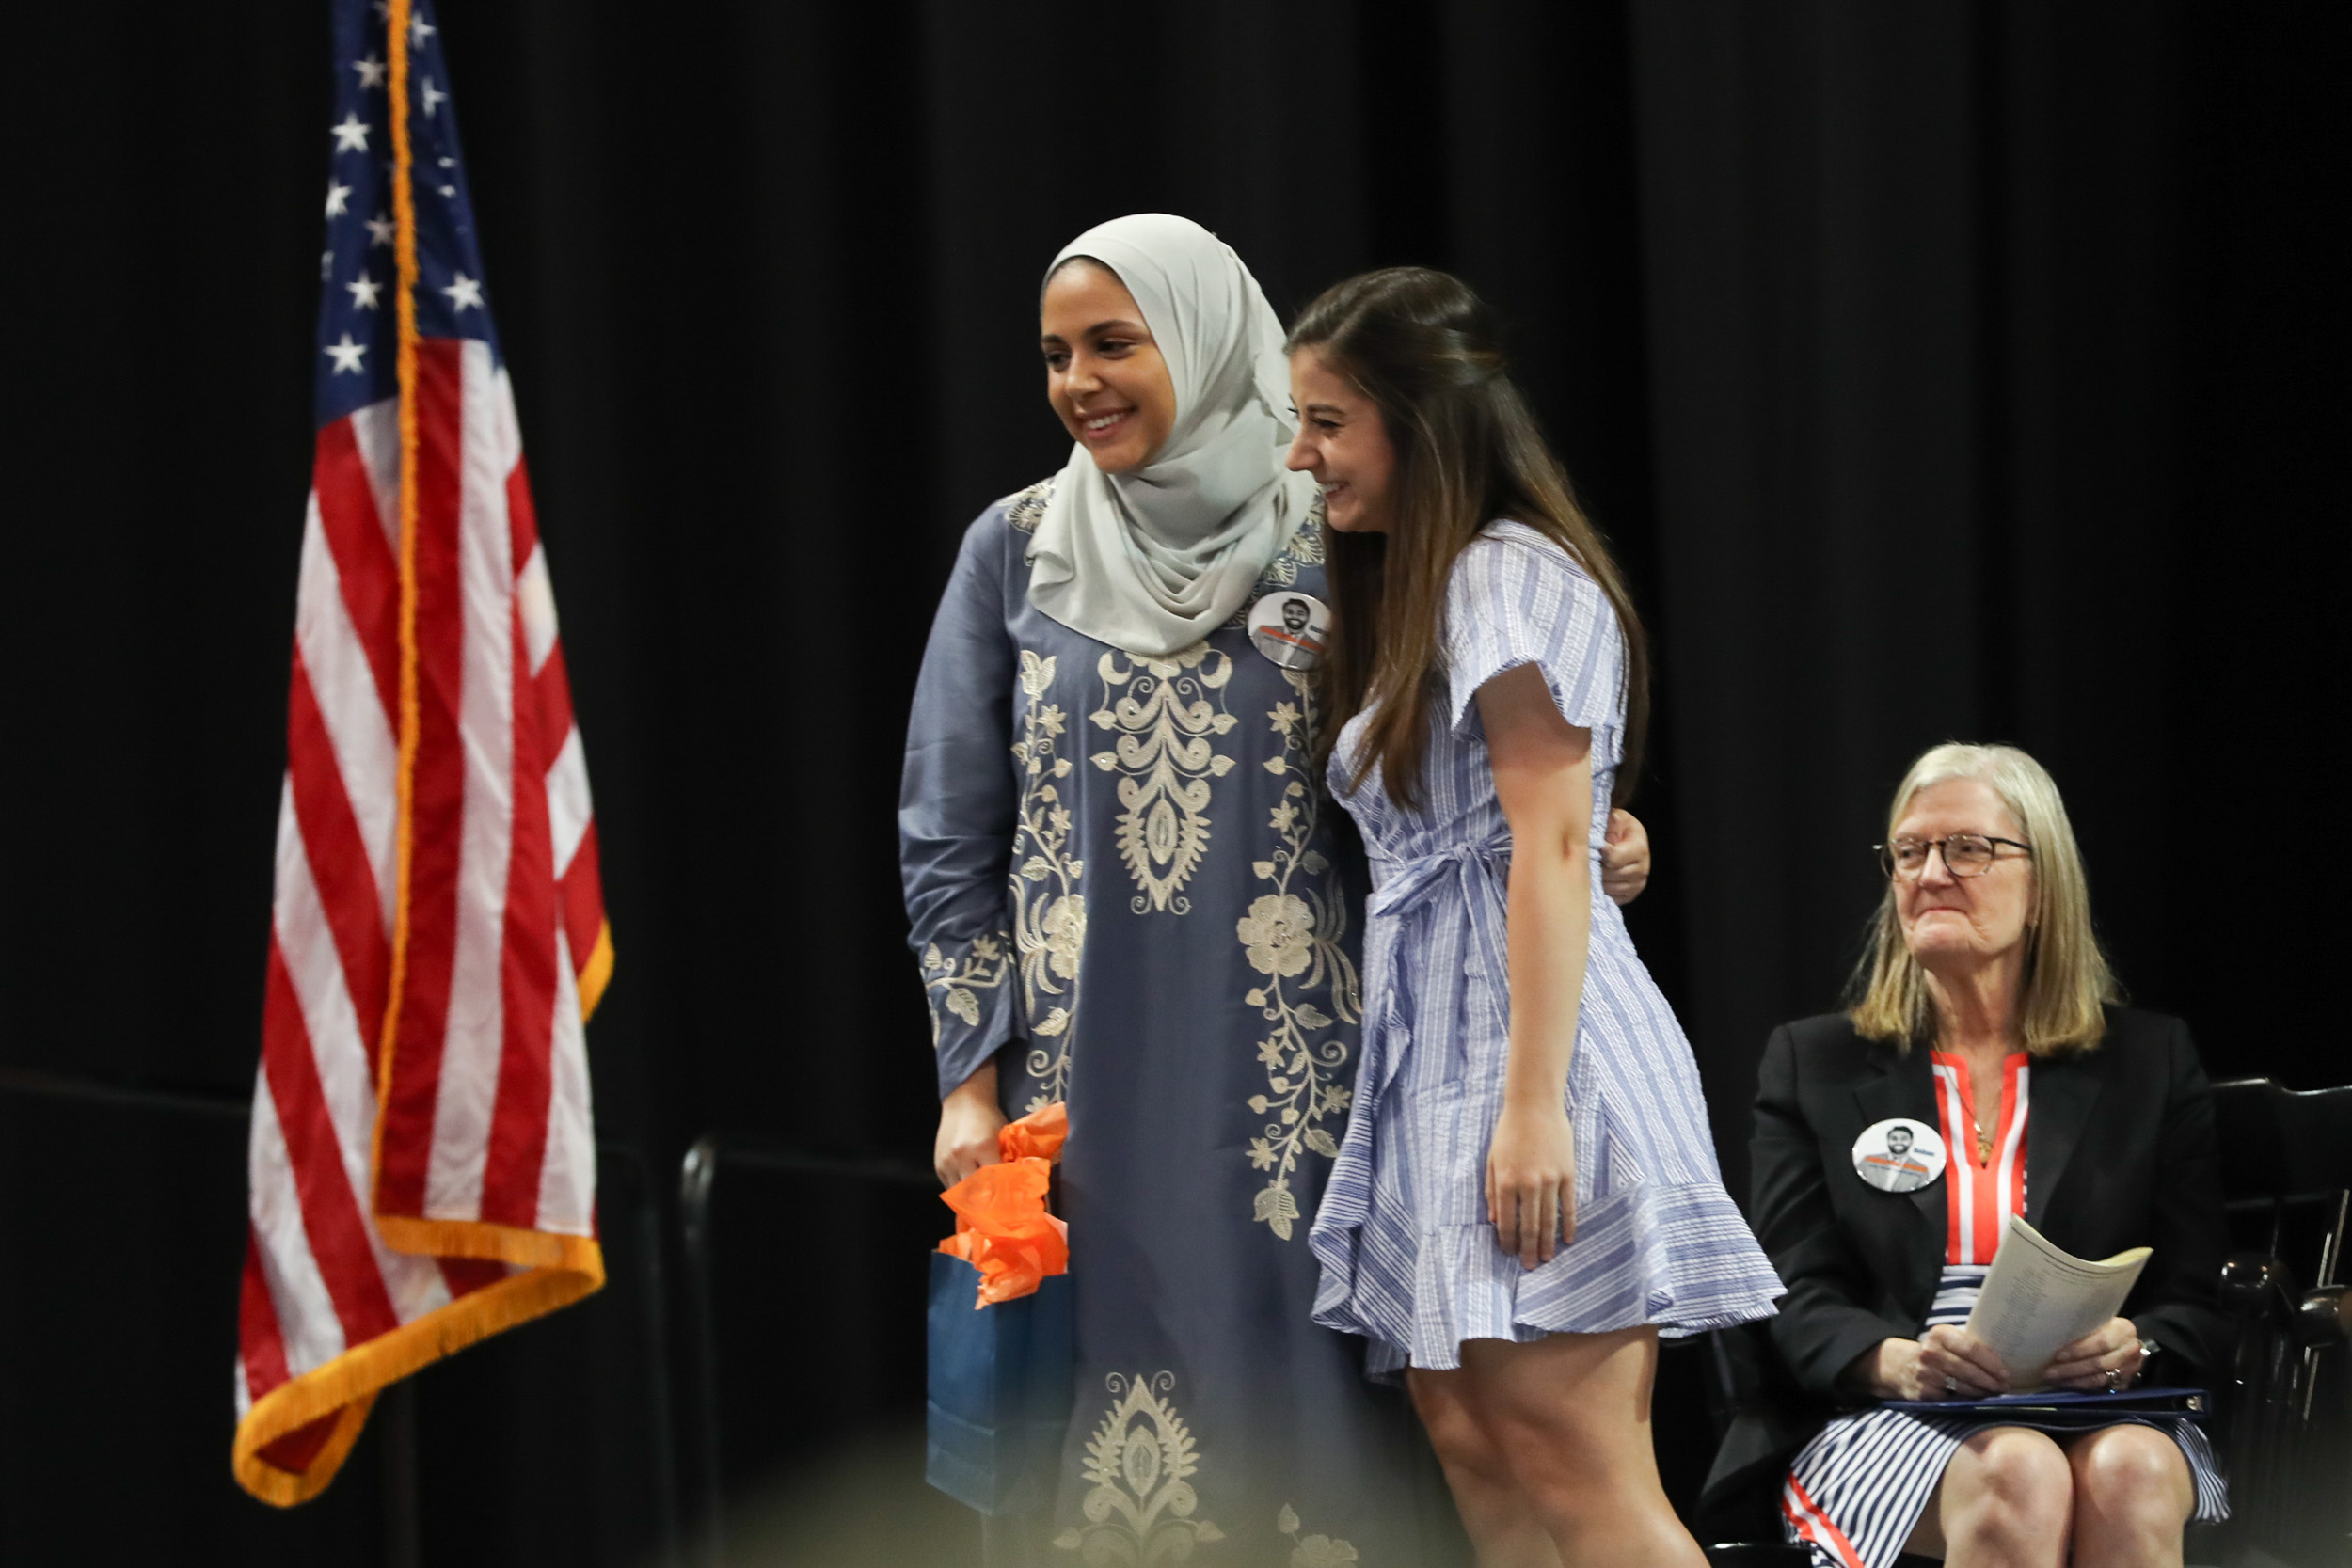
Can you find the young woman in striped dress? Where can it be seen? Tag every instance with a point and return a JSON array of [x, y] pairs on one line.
[[1527, 1194]]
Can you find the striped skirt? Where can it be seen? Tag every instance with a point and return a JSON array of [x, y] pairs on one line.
[[1855, 1492]]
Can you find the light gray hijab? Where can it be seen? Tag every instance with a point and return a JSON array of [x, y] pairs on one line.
[[1154, 559]]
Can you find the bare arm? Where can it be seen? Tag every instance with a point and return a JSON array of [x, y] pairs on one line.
[[1543, 768]]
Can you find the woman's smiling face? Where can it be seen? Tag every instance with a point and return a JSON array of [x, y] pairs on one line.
[[1103, 374], [1344, 442]]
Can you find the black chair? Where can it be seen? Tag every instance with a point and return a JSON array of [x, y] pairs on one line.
[[2286, 1177], [2285, 1429]]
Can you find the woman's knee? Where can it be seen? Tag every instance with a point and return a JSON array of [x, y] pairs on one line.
[[2133, 1474], [1465, 1446], [2009, 1478], [1461, 1441]]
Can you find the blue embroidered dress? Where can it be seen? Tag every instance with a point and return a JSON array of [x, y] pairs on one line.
[[1409, 1257], [1121, 863]]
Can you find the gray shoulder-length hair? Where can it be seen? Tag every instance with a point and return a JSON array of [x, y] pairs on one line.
[[2066, 976]]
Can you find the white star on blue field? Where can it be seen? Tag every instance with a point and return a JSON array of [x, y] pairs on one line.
[[358, 326]]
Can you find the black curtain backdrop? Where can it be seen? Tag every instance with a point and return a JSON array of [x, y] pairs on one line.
[[1938, 371], [1998, 396]]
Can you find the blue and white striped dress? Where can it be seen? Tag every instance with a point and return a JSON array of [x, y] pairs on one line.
[[1409, 1258], [1855, 1492]]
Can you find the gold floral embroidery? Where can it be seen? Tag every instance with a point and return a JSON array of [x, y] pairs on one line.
[[1304, 549], [952, 981], [1025, 509], [1049, 912], [1315, 1551], [1141, 1507], [1292, 936], [1164, 716]]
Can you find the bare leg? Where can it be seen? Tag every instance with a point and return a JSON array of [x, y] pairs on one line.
[[1570, 1415], [2004, 1502], [1502, 1524], [2133, 1495]]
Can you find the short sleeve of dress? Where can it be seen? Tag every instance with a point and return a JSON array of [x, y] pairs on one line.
[[1516, 598]]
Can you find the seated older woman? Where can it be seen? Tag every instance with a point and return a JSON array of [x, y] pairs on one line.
[[1986, 1020]]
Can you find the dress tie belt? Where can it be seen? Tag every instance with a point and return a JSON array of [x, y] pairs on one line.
[[1481, 871], [1410, 883]]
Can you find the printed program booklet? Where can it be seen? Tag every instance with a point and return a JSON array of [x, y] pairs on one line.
[[2038, 1296]]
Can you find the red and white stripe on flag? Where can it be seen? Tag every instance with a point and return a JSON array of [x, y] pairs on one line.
[[423, 1159]]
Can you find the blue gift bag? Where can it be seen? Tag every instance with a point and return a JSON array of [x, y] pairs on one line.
[[1000, 1389]]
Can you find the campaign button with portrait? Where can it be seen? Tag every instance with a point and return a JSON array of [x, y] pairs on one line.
[[1290, 628], [1898, 1155]]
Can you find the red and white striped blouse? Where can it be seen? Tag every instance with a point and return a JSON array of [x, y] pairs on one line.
[[1980, 1194]]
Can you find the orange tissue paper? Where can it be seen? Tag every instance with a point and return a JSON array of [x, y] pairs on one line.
[[1037, 1135], [1002, 1227]]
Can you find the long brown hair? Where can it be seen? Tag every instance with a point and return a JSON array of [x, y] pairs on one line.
[[1423, 348]]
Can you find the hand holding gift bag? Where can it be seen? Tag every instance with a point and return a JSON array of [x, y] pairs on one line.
[[1000, 1327]]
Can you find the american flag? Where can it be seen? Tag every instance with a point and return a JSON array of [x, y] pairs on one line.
[[423, 1161]]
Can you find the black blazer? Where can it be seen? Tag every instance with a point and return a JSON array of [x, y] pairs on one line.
[[2119, 1153]]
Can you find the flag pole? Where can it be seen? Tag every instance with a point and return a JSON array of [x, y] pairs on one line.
[[405, 265]]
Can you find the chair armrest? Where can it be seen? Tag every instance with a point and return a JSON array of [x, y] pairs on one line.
[[2258, 1289], [2324, 1317]]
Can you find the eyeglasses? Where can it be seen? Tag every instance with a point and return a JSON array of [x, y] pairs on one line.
[[1964, 855]]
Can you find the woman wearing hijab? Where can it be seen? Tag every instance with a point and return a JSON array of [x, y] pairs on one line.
[[1125, 894]]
